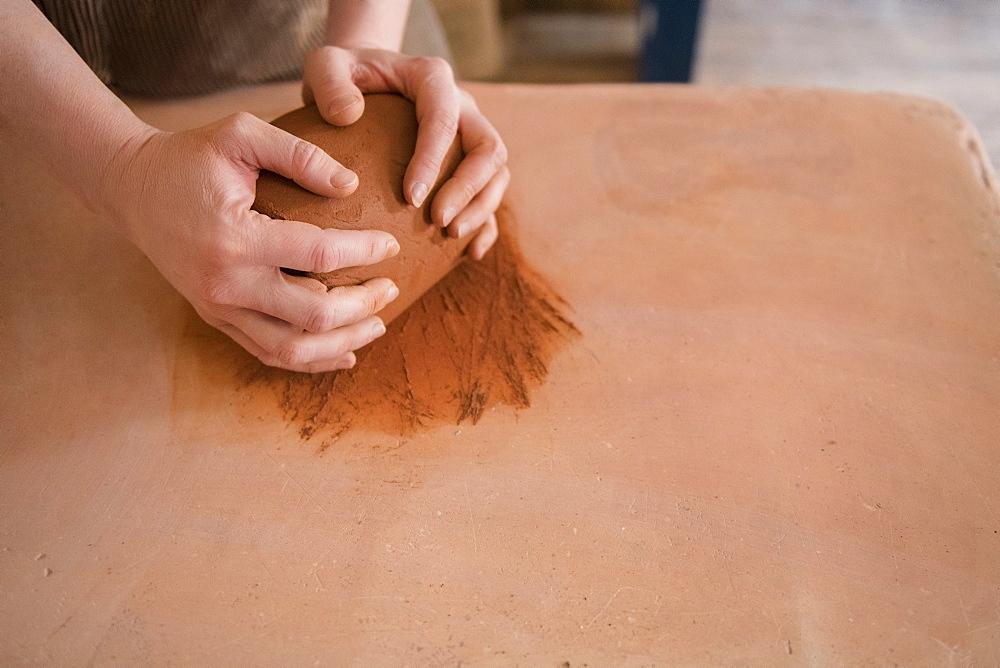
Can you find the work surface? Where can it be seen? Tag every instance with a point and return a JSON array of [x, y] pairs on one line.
[[777, 439]]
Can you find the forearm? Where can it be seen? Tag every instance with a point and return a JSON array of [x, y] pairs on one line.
[[55, 108], [372, 24]]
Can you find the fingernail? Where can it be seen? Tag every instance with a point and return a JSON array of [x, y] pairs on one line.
[[392, 248], [418, 191], [348, 363], [447, 215], [461, 229], [393, 292], [378, 329], [344, 179], [342, 103]]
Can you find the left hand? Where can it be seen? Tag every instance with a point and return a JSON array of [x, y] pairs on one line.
[[336, 78]]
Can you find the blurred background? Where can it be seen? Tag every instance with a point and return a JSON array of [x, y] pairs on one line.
[[947, 49]]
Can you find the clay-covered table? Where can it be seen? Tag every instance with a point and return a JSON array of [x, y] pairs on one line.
[[776, 441]]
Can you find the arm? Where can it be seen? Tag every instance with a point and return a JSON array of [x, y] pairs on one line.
[[56, 108], [367, 24], [184, 199], [362, 56]]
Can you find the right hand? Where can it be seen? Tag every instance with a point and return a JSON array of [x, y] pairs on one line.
[[184, 199], [336, 79]]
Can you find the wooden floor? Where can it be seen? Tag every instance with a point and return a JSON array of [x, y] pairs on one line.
[[946, 50]]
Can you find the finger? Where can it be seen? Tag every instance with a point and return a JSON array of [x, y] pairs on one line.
[[485, 155], [339, 364], [285, 346], [305, 247], [482, 205], [268, 147], [335, 364], [487, 236], [314, 311], [329, 82], [436, 98]]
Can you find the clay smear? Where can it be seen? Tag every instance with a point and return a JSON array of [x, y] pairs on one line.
[[483, 336]]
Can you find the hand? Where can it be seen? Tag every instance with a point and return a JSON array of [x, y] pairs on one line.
[[335, 78], [184, 199]]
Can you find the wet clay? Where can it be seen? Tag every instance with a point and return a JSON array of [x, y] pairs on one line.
[[483, 336], [377, 148]]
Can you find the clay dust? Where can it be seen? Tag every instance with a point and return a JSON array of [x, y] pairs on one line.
[[483, 336]]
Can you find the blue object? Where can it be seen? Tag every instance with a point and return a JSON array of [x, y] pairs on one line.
[[669, 30]]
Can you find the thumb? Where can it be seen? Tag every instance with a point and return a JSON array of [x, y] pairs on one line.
[[329, 82], [275, 150]]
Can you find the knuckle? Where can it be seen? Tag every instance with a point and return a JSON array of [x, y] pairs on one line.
[[364, 71], [322, 318], [443, 122], [372, 298], [468, 191], [291, 353], [220, 251], [225, 247], [240, 122], [498, 151], [214, 288], [436, 66], [306, 157], [326, 256], [324, 52], [426, 165], [494, 154]]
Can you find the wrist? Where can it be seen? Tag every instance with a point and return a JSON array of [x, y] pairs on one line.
[[117, 180], [367, 25]]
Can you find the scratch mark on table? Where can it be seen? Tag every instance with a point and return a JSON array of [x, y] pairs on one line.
[[297, 484], [57, 629], [472, 519], [266, 569], [892, 545], [951, 650], [969, 478], [316, 566], [983, 628], [961, 603], [605, 607]]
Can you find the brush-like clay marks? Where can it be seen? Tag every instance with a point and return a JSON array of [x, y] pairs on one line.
[[378, 148], [482, 335]]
